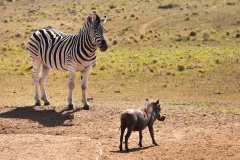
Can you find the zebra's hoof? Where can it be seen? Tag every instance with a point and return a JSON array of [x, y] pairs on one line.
[[46, 103], [38, 103], [86, 107], [70, 107]]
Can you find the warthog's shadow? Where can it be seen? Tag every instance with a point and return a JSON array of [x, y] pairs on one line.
[[132, 149], [48, 118]]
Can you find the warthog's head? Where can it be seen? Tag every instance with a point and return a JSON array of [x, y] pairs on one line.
[[156, 110]]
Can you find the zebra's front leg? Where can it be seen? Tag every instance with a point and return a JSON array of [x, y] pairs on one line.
[[71, 86], [42, 82], [84, 86], [35, 76]]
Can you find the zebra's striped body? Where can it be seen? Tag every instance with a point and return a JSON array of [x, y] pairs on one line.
[[61, 51], [52, 49]]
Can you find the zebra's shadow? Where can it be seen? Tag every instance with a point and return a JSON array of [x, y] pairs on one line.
[[48, 118]]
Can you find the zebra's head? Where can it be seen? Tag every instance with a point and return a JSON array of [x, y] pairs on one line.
[[96, 25]]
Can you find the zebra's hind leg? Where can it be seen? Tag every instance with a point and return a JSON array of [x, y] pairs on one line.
[[35, 76], [71, 86], [42, 83], [84, 85]]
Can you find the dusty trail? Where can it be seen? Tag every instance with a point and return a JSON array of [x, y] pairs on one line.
[[143, 28]]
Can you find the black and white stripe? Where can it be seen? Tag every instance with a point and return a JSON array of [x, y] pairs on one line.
[[53, 49]]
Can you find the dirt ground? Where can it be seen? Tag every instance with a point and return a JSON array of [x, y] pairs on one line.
[[195, 128], [202, 107]]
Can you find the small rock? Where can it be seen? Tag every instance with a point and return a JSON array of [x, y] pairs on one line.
[[180, 68], [167, 6], [218, 92], [117, 91], [193, 34], [114, 42], [238, 35], [17, 35], [154, 61], [102, 68], [112, 6], [217, 61], [164, 86]]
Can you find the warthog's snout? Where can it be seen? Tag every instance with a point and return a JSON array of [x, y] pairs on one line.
[[161, 118]]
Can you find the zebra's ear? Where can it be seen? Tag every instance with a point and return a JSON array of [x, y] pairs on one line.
[[104, 20], [89, 19]]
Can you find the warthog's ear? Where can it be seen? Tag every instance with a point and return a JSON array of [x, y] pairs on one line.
[[157, 102], [146, 102], [104, 20]]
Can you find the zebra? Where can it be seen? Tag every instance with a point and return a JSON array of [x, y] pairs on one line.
[[52, 49]]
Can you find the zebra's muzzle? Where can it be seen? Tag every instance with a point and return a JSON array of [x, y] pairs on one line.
[[103, 46]]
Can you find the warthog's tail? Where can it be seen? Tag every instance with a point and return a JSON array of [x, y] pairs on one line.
[[29, 68]]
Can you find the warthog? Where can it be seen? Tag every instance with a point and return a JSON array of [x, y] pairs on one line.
[[137, 120]]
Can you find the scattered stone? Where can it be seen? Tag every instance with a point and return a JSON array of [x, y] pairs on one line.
[[117, 91], [217, 61], [151, 70], [154, 61], [180, 68], [168, 6], [238, 35], [193, 34], [114, 42], [187, 19], [102, 68], [168, 73], [132, 15], [218, 92], [164, 86], [195, 14], [17, 35], [231, 3], [112, 6]]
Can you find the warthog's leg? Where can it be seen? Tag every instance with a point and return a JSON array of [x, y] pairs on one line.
[[84, 86], [70, 89], [152, 135], [42, 82], [35, 76], [127, 137], [121, 137], [140, 138]]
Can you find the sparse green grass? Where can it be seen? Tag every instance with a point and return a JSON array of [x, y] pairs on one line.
[[127, 62], [154, 61], [14, 59]]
